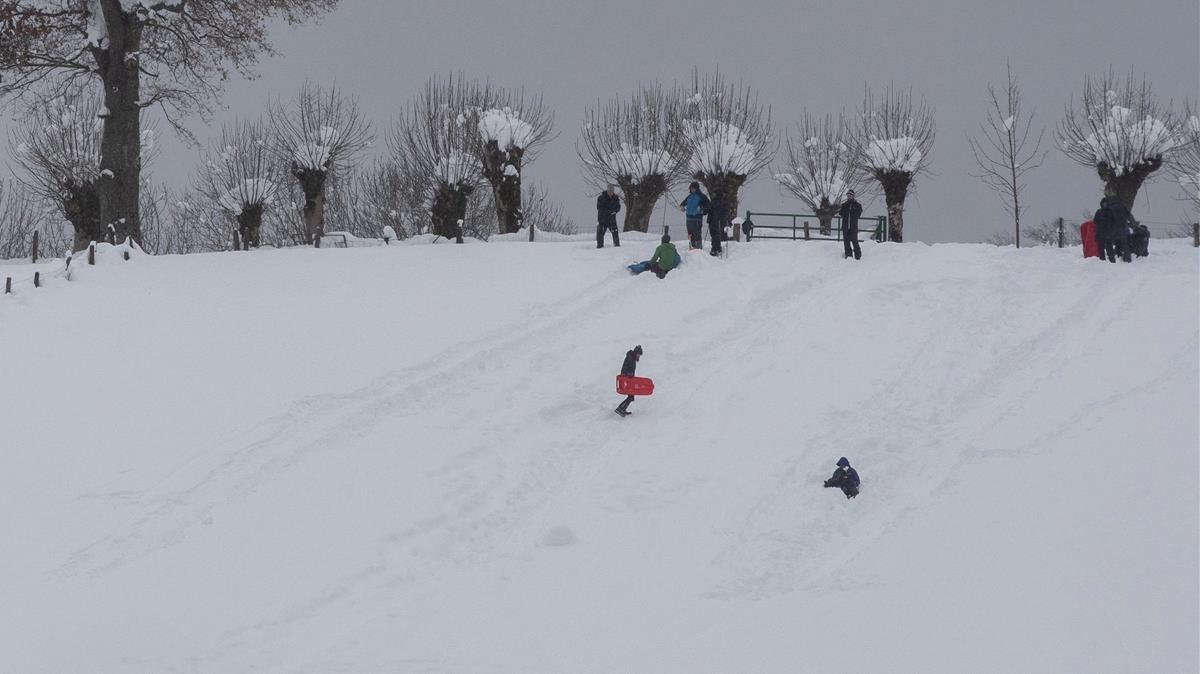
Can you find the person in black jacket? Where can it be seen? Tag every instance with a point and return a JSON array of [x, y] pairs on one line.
[[628, 369], [718, 216], [844, 478], [1112, 229], [850, 212], [608, 204]]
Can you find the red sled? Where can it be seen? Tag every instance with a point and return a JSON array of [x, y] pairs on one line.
[[634, 386], [1087, 233]]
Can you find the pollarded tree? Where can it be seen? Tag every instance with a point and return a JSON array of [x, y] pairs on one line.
[[1005, 153], [894, 141], [322, 131], [243, 176], [819, 166], [57, 144], [1185, 163], [435, 138], [727, 136], [635, 144], [511, 130], [170, 53], [1119, 128]]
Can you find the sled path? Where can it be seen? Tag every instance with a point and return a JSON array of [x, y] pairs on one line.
[[447, 488]]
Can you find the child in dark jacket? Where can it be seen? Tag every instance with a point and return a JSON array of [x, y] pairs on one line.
[[845, 478]]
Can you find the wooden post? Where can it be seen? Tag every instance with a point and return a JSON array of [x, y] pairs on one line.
[[807, 233], [125, 254], [1196, 234], [458, 236], [7, 285], [37, 279], [1060, 232], [92, 253], [35, 246]]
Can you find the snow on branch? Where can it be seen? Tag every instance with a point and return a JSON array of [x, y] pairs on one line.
[[725, 129], [896, 133], [819, 162], [320, 130], [240, 172], [629, 141]]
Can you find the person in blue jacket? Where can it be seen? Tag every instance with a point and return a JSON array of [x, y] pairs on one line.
[[694, 207], [845, 478]]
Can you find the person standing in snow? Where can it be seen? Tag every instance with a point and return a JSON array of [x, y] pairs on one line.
[[844, 478], [850, 212], [1112, 228], [628, 369], [608, 204], [694, 206], [718, 216]]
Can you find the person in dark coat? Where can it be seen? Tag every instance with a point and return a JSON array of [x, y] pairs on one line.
[[1113, 221], [629, 369], [850, 212], [844, 478], [694, 206], [718, 217], [608, 204]]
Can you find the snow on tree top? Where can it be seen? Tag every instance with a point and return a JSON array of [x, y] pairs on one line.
[[315, 154], [894, 154], [456, 167], [1122, 145], [638, 162], [506, 128], [247, 193], [720, 147]]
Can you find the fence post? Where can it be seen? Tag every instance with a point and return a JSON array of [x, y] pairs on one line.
[[807, 234], [1196, 234], [37, 279], [92, 254], [1060, 232], [793, 228], [35, 246], [7, 285]]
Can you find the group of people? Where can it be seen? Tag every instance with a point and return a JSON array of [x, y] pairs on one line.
[[1117, 234], [845, 477], [696, 206]]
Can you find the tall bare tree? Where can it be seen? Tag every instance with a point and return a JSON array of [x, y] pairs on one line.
[[636, 144], [895, 139], [321, 132], [436, 138], [1119, 128], [512, 128], [242, 174], [1186, 161], [727, 135], [819, 166], [545, 214], [21, 214], [169, 53], [1003, 151]]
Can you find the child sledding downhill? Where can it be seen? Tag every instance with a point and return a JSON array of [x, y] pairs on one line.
[[844, 478], [630, 385]]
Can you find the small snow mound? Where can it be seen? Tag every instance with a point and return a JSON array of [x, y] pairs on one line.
[[558, 536]]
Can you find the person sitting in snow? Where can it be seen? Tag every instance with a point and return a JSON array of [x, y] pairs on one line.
[[844, 478], [666, 258]]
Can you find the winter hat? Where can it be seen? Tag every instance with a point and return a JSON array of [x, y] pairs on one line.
[[666, 238], [850, 194], [694, 186], [638, 349], [843, 462]]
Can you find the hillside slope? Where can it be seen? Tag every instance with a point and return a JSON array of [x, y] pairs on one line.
[[405, 459]]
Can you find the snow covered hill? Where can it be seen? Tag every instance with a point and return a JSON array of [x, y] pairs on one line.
[[405, 459]]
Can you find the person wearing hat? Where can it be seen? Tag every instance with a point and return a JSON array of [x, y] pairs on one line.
[[628, 369], [608, 204], [844, 478], [849, 213], [694, 206], [665, 258]]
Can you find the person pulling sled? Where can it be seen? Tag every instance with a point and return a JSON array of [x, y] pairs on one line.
[[629, 369], [844, 478]]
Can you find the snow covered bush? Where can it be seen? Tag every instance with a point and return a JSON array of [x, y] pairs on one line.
[[819, 166], [727, 136], [1119, 128], [894, 140], [634, 144]]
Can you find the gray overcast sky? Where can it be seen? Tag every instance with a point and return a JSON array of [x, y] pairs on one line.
[[796, 54]]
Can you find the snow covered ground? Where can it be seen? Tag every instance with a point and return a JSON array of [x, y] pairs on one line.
[[404, 459]]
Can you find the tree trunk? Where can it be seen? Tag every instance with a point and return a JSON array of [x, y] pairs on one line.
[[82, 209], [250, 226], [825, 216], [640, 198], [449, 206], [312, 182], [725, 185], [121, 136], [502, 170], [1126, 185], [895, 190]]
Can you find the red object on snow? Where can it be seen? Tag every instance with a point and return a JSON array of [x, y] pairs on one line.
[[1087, 232], [634, 386]]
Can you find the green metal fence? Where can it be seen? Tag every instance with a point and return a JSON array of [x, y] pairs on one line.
[[807, 227]]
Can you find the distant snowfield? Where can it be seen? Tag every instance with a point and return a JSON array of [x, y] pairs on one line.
[[405, 459]]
